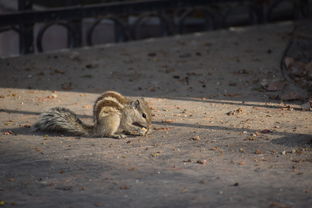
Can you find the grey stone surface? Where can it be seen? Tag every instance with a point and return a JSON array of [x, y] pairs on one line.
[[197, 154]]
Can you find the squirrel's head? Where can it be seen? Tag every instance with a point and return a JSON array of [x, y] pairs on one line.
[[141, 113]]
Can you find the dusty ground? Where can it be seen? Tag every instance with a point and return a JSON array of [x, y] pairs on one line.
[[198, 154]]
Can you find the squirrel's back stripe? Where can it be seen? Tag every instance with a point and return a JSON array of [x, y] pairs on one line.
[[107, 106], [109, 101], [120, 98], [117, 100]]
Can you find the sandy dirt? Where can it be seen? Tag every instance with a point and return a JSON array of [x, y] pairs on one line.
[[219, 139]]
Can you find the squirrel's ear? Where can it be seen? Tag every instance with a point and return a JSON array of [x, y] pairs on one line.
[[136, 103]]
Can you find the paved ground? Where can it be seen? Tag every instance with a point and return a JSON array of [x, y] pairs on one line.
[[219, 139]]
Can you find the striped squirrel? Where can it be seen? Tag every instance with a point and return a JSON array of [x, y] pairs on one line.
[[114, 116]]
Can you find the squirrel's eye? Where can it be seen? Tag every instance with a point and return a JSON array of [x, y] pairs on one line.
[[143, 115]]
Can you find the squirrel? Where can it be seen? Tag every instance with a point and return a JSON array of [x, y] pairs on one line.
[[114, 116]]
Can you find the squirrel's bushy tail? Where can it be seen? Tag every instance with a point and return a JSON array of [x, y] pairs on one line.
[[62, 120]]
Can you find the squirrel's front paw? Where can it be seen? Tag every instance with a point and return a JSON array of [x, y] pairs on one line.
[[119, 136], [137, 132], [143, 131]]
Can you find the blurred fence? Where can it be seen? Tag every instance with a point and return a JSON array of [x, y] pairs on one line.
[[132, 20]]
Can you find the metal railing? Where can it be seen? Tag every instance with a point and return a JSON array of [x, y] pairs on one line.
[[173, 17]]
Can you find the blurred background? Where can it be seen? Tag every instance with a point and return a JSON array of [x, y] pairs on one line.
[[102, 21]]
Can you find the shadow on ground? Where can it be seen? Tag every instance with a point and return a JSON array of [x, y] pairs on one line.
[[199, 154]]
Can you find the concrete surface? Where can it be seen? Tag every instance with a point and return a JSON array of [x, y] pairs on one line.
[[199, 153]]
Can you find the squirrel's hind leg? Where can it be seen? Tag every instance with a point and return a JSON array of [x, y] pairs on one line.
[[108, 126]]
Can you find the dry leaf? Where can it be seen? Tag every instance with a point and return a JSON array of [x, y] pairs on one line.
[[266, 131], [124, 187], [196, 138], [52, 96], [67, 86], [11, 179], [9, 132], [202, 162], [272, 86], [292, 95], [241, 163], [278, 205], [57, 71], [234, 112], [91, 66], [162, 128], [167, 121], [152, 54], [87, 106], [232, 95], [156, 154]]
